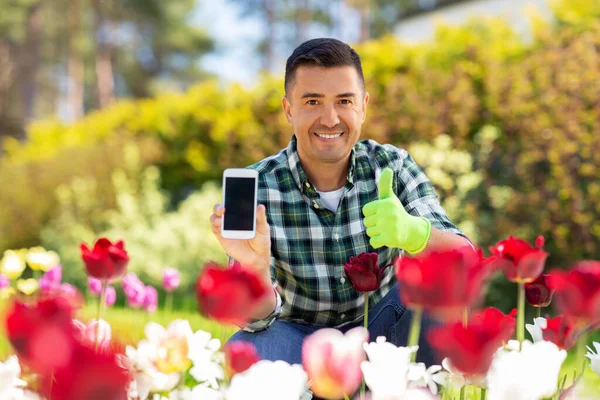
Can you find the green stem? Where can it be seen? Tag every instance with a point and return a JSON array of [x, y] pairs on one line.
[[538, 311], [462, 393], [580, 355], [346, 397], [366, 313], [415, 330], [169, 303], [366, 325], [483, 393], [521, 314], [101, 302]]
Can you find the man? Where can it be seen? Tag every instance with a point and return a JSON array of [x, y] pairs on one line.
[[312, 217]]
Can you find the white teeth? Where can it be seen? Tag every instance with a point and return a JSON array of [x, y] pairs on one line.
[[329, 136]]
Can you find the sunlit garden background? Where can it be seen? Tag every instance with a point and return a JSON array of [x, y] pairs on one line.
[[117, 119]]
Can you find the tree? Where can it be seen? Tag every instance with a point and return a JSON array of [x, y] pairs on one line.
[[50, 60], [281, 18]]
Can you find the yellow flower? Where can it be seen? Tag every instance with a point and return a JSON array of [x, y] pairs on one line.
[[40, 259], [27, 286], [172, 355], [7, 293], [12, 264]]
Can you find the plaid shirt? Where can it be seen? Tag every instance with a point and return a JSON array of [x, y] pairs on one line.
[[310, 244]]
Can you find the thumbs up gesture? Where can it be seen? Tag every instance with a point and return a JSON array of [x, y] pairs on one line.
[[388, 223]]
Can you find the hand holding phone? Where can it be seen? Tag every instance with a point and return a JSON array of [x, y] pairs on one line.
[[239, 224]]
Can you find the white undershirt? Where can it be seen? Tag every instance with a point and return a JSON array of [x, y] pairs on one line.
[[331, 199]]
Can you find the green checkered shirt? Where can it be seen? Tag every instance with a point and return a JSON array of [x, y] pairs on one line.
[[310, 244]]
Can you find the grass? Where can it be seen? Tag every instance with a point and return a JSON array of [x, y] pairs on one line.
[[128, 324]]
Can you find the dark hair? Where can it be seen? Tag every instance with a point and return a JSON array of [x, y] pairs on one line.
[[323, 52]]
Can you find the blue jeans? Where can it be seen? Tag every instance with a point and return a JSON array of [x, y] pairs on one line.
[[389, 318]]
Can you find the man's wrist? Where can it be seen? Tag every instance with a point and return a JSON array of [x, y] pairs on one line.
[[419, 232]]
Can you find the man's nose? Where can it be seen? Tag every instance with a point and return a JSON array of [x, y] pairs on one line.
[[329, 117]]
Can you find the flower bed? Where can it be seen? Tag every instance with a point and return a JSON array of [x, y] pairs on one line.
[[57, 356]]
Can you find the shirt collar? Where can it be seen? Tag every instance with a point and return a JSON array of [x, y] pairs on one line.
[[298, 173]]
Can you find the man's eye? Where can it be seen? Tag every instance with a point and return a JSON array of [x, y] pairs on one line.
[[345, 101], [312, 102]]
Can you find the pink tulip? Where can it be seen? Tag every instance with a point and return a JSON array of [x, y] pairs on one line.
[[4, 281], [171, 279], [111, 295], [69, 290], [87, 333], [332, 361], [150, 299], [134, 290], [95, 286], [51, 279]]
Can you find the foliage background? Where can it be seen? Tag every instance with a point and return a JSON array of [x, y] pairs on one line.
[[507, 129]]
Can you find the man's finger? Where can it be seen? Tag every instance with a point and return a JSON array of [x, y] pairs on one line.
[[219, 210], [385, 184], [370, 221], [216, 221], [373, 231], [262, 225], [376, 242], [370, 208]]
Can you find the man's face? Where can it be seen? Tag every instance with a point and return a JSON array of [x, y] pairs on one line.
[[326, 108]]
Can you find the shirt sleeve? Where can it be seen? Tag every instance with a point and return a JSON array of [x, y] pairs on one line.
[[262, 324], [418, 197]]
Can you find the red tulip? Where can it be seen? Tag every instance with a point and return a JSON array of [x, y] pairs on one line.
[[471, 348], [42, 333], [239, 356], [577, 292], [89, 375], [230, 295], [364, 272], [443, 283], [539, 292], [519, 261], [106, 260], [561, 331]]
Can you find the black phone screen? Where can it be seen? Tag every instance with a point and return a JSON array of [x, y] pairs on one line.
[[239, 204]]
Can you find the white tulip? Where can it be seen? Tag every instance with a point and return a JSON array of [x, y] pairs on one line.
[[269, 380], [535, 330], [594, 358], [529, 374], [386, 372]]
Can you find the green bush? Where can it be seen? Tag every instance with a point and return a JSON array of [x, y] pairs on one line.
[[154, 237], [526, 112], [27, 199]]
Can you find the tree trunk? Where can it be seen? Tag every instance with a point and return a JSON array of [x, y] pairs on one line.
[[269, 44], [30, 60], [365, 23], [6, 77], [75, 64], [302, 20], [105, 83]]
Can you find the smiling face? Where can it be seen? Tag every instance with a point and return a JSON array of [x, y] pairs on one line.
[[326, 108]]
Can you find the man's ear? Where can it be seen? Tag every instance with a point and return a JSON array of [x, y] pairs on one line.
[[365, 103], [287, 108]]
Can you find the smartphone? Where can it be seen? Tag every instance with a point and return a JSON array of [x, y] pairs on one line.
[[240, 192]]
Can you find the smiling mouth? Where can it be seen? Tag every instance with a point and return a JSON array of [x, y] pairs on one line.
[[329, 136]]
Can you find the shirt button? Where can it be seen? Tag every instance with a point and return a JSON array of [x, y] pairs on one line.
[[307, 184], [343, 316], [336, 236], [315, 204], [342, 279]]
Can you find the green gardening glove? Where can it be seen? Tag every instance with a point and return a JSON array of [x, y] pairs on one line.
[[388, 223]]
